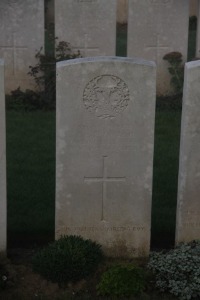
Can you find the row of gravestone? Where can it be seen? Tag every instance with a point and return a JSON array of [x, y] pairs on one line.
[[155, 27], [104, 153], [122, 10]]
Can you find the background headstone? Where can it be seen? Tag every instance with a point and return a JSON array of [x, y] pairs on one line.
[[105, 141], [188, 206], [21, 36], [88, 25], [155, 28], [3, 204]]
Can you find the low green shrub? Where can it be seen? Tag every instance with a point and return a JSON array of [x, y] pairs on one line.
[[121, 281], [170, 103], [27, 100], [178, 271], [69, 259], [3, 281], [3, 272]]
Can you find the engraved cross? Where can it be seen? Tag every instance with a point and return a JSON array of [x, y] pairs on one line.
[[158, 48], [85, 48], [105, 179], [14, 47]]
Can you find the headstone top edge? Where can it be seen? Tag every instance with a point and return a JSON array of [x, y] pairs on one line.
[[132, 60], [192, 64]]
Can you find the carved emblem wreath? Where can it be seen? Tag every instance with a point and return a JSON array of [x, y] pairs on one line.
[[106, 96]]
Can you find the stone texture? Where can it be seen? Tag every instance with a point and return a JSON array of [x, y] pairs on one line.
[[21, 36], [88, 25], [157, 27], [105, 138], [188, 205], [3, 204]]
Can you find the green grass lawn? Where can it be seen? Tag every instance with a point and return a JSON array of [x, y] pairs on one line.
[[166, 159], [31, 176]]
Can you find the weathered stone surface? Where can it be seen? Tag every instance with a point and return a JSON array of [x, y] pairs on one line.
[[88, 25], [105, 138], [188, 206], [155, 28], [3, 204], [21, 34]]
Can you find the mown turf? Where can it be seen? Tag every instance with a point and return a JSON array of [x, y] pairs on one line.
[[31, 175], [166, 160]]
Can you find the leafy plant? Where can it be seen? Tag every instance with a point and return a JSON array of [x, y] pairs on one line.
[[3, 272], [44, 72], [178, 271], [121, 281], [44, 75], [70, 258], [176, 69], [20, 100]]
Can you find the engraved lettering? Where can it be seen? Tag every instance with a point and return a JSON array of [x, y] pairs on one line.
[[86, 1], [160, 2], [192, 212], [103, 229], [191, 224], [106, 96]]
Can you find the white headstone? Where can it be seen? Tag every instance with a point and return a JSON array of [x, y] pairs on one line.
[[188, 206], [3, 203], [155, 28], [105, 141], [88, 25], [21, 36]]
